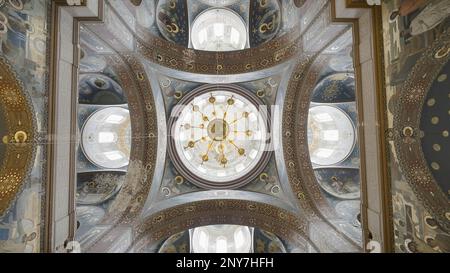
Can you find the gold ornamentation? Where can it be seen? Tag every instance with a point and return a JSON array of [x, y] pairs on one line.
[[408, 131], [18, 118], [442, 78], [435, 120], [178, 95], [442, 52], [436, 147], [435, 166], [419, 172]]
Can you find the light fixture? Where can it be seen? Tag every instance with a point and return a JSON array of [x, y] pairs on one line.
[[219, 137]]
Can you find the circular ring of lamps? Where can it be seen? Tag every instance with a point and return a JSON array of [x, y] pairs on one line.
[[106, 137], [219, 137]]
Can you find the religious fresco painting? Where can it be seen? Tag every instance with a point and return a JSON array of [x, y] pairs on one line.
[[416, 53], [224, 126], [23, 87]]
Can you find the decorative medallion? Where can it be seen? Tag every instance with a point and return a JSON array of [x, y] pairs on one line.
[[219, 136], [17, 132], [420, 109]]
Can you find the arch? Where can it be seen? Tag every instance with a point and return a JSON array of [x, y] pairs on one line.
[[176, 219]]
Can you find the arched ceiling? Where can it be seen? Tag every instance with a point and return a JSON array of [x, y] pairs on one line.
[[421, 126], [288, 66]]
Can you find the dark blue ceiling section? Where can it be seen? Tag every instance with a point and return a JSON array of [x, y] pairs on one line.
[[99, 89], [435, 124], [264, 21], [335, 88], [172, 21]]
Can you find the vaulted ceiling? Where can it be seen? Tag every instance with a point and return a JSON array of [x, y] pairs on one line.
[[224, 126]]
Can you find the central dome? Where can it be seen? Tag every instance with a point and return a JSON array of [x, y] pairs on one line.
[[219, 29], [219, 137]]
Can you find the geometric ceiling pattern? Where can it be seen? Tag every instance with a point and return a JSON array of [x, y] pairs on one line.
[[219, 137], [224, 126]]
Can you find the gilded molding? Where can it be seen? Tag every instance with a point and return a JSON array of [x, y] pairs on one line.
[[295, 142], [19, 121], [209, 212], [406, 130], [173, 56], [136, 85]]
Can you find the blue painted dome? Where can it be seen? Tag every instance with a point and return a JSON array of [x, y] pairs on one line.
[[100, 89], [264, 21], [172, 21], [435, 124], [335, 88]]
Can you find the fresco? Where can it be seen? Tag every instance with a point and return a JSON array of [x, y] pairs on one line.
[[264, 21], [97, 187], [172, 21], [23, 43], [340, 183], [410, 28], [100, 89], [339, 87]]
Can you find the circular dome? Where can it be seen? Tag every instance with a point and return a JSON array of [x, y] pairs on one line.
[[219, 137], [219, 29], [222, 239], [335, 88], [106, 138], [331, 135], [100, 89]]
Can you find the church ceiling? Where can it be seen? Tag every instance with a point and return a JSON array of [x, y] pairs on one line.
[[204, 114], [207, 128]]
